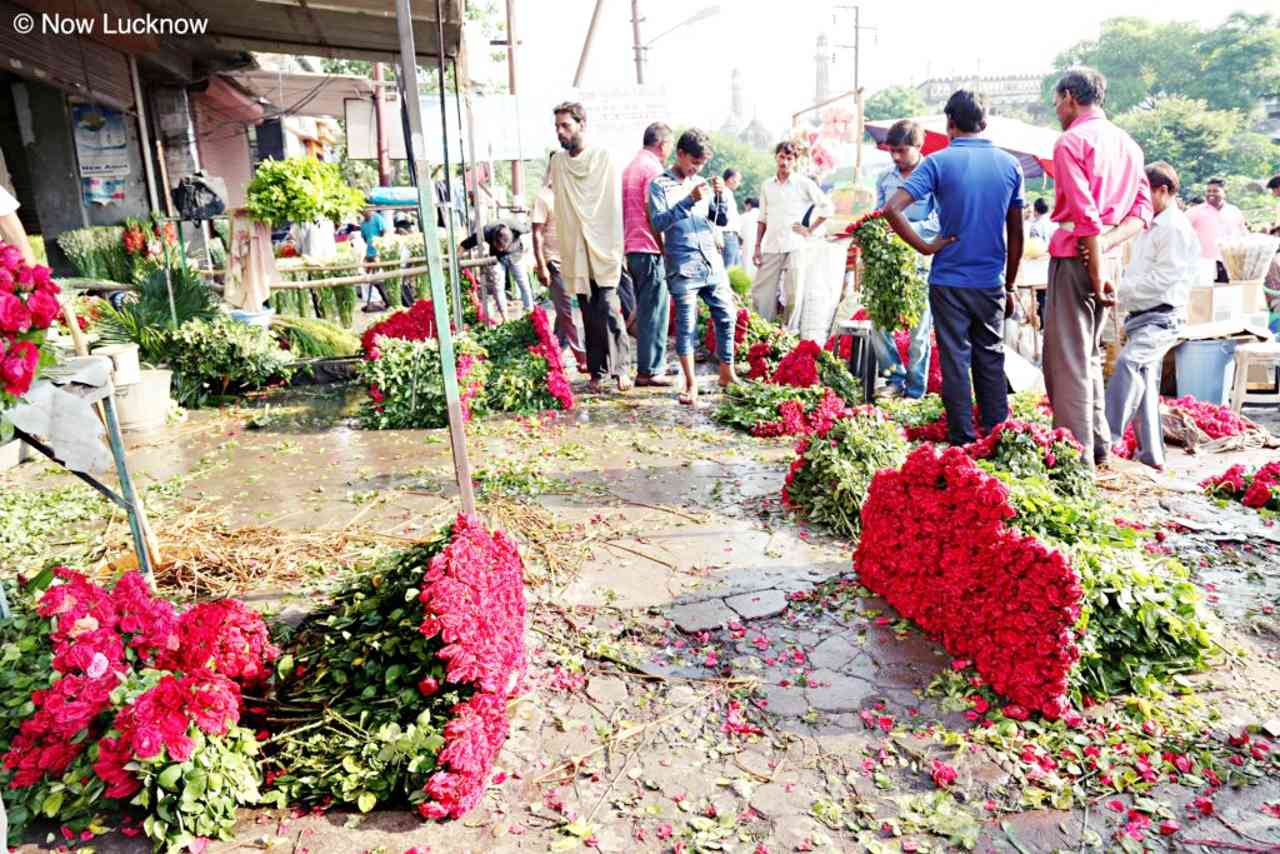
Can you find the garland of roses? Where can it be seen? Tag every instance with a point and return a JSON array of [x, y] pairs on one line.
[[893, 291], [425, 652], [1259, 489]]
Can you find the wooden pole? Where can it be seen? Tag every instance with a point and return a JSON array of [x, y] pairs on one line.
[[416, 144], [586, 47], [380, 126]]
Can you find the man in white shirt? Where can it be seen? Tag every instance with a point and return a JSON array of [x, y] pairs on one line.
[[748, 222], [1155, 288], [11, 230], [730, 243], [785, 199]]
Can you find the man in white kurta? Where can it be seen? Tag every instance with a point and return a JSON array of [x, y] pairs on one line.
[[588, 205]]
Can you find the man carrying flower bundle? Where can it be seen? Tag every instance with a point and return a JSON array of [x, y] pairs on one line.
[[978, 189], [683, 208], [904, 141], [1165, 265]]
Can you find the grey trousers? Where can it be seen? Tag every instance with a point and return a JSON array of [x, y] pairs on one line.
[[568, 328], [1073, 326], [777, 277], [1133, 392]]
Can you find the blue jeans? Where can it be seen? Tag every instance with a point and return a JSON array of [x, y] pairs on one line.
[[913, 380], [522, 281], [732, 253], [969, 324], [652, 304], [716, 294]]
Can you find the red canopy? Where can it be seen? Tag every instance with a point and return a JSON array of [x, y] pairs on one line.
[[1031, 144]]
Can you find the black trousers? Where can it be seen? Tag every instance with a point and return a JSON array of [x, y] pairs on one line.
[[608, 350], [967, 322]]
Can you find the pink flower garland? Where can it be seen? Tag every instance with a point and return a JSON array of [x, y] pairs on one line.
[[548, 349], [28, 306], [473, 598]]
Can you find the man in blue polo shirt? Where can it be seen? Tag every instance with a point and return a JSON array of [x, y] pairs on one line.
[[978, 189]]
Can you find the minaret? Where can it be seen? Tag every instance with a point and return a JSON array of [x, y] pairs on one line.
[[822, 59], [735, 121]]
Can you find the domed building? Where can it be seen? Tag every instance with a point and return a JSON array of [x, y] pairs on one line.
[[753, 133]]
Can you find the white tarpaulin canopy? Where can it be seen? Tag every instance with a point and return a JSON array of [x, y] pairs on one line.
[[1031, 144]]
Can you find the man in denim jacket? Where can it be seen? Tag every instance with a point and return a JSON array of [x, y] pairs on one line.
[[683, 208]]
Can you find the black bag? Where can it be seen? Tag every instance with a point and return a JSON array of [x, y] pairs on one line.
[[199, 197]]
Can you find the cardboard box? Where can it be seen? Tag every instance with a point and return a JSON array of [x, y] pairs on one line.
[[1231, 301]]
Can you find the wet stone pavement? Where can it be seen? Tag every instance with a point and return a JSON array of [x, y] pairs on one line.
[[706, 674]]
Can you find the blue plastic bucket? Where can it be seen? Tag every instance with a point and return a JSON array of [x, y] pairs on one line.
[[1205, 370], [253, 318]]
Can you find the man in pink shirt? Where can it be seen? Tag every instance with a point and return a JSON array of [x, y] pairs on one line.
[[1215, 220], [644, 256], [1101, 199]]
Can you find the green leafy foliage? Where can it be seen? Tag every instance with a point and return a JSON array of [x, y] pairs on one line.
[[26, 659], [756, 166], [97, 252], [749, 403], [147, 319], [210, 358], [314, 338], [356, 725], [893, 292], [895, 102], [740, 283], [1199, 141], [1142, 619], [831, 474], [301, 190], [410, 386]]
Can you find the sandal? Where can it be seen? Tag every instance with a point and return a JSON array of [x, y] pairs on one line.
[[596, 387], [687, 399]]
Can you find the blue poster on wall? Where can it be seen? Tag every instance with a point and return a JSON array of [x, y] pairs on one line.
[[102, 147]]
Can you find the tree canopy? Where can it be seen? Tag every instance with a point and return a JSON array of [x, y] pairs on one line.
[[1200, 142], [896, 102], [755, 165], [1231, 66]]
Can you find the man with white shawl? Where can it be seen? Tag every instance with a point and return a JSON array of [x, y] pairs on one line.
[[588, 204]]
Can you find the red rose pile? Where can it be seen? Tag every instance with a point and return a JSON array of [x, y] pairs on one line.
[[937, 544], [795, 420], [28, 306], [1216, 421], [473, 599], [739, 332], [181, 674], [799, 367], [1259, 490], [1004, 552], [415, 323]]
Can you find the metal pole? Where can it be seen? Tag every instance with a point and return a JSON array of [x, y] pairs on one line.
[[126, 488], [379, 124], [517, 168], [455, 275], [144, 136], [477, 221], [635, 37], [457, 102], [416, 145], [857, 41], [586, 47]]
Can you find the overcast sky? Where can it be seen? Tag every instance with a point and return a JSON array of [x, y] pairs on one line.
[[773, 42]]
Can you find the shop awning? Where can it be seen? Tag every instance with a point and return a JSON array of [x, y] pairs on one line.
[[346, 29], [1032, 145], [296, 94]]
